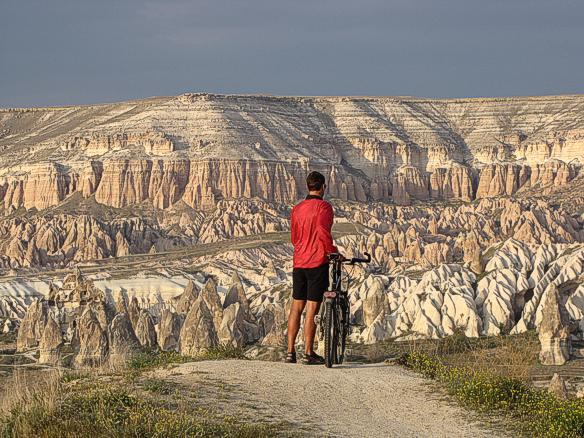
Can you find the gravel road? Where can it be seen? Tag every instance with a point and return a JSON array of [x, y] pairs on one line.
[[374, 400]]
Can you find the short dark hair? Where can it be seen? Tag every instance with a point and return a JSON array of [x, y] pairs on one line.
[[315, 181]]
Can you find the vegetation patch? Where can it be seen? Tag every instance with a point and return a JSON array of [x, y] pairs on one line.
[[158, 386], [122, 402], [513, 356], [151, 359], [226, 351], [155, 358], [72, 376], [537, 412], [108, 407]]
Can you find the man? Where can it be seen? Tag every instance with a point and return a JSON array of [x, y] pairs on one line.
[[312, 220]]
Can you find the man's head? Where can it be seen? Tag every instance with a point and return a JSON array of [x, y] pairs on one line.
[[316, 183]]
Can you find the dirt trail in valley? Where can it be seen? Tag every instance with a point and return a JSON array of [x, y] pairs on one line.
[[352, 400], [120, 267]]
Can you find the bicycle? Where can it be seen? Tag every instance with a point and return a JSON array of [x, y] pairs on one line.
[[335, 316]]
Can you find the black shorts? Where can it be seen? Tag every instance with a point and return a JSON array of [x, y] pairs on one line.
[[310, 283]]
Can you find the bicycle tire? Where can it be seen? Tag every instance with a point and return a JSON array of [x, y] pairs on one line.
[[329, 334], [342, 335]]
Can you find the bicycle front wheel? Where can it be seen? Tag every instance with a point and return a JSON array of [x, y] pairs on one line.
[[330, 334], [342, 325]]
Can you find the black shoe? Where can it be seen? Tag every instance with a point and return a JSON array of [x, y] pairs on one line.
[[313, 359], [290, 358]]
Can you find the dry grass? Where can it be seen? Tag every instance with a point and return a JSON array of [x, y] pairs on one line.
[[510, 356], [26, 388], [506, 356], [112, 401], [101, 404]]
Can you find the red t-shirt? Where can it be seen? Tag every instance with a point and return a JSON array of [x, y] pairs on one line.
[[312, 220]]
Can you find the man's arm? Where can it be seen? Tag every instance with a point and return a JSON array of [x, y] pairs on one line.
[[324, 227], [292, 228]]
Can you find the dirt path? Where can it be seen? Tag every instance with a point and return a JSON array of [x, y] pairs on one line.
[[349, 401]]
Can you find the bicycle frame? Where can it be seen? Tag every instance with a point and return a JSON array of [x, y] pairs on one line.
[[337, 307]]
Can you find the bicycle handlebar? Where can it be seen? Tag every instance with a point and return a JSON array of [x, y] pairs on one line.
[[358, 260], [337, 257]]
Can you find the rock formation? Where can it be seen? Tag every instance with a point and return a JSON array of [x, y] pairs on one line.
[[103, 312], [273, 325], [511, 296], [240, 318], [233, 328], [134, 311], [51, 342], [122, 340], [186, 299], [375, 300], [93, 342], [145, 331], [169, 331], [236, 294], [471, 209], [558, 388], [198, 331], [32, 326], [121, 304], [7, 326], [429, 235], [211, 298], [400, 149], [554, 334]]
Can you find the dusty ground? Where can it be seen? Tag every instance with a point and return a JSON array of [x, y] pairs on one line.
[[349, 401]]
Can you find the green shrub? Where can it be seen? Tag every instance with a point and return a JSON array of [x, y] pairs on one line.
[[226, 351], [70, 376], [539, 413], [156, 358], [158, 386]]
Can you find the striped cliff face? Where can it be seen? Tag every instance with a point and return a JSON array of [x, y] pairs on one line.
[[202, 148]]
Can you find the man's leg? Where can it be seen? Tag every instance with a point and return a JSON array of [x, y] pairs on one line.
[[312, 309], [294, 323]]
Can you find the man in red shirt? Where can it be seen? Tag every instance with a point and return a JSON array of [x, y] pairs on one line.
[[311, 220]]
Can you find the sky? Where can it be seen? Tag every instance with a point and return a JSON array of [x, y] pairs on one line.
[[66, 52]]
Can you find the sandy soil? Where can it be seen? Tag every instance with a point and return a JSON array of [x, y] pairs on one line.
[[349, 401]]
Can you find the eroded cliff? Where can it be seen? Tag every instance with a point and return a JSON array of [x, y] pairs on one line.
[[200, 148]]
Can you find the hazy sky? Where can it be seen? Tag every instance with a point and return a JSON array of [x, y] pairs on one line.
[[56, 52]]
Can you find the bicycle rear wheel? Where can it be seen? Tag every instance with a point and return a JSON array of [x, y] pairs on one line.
[[330, 334]]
